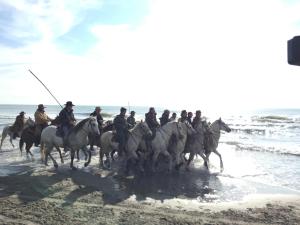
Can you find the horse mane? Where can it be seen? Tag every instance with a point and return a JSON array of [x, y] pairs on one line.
[[80, 125]]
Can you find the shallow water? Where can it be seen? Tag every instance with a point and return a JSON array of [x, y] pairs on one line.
[[260, 157]]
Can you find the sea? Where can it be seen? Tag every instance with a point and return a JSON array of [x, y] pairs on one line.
[[261, 155]]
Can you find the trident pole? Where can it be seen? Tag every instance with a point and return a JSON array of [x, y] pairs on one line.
[[46, 88]]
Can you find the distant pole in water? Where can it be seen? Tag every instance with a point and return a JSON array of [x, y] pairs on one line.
[[46, 88]]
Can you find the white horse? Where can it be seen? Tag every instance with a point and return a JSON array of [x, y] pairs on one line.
[[213, 141], [161, 141], [134, 139], [195, 144], [7, 131], [77, 139], [178, 146]]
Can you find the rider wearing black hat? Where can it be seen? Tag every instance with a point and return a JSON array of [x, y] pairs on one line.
[[164, 119], [67, 119], [131, 120], [183, 117], [121, 127], [18, 125], [41, 121]]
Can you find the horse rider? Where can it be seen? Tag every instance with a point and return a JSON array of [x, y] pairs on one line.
[[67, 120], [131, 120], [18, 125], [152, 124], [41, 121], [97, 114], [197, 118], [164, 119], [121, 127], [183, 117], [190, 117], [173, 117]]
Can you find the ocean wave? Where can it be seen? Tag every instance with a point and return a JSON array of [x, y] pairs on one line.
[[242, 147], [273, 119], [249, 131]]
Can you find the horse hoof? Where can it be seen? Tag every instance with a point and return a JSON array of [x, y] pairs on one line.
[[86, 164], [73, 168], [62, 162], [56, 166]]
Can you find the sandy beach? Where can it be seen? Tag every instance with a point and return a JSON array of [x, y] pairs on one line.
[[36, 194]]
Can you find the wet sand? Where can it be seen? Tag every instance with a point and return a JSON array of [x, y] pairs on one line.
[[36, 194]]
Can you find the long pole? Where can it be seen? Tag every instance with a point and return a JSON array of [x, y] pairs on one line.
[[46, 88]]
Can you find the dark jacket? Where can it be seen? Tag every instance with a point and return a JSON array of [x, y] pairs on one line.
[[182, 119], [66, 117], [196, 120], [189, 120], [131, 121], [164, 119], [120, 124], [19, 124], [151, 120], [99, 118]]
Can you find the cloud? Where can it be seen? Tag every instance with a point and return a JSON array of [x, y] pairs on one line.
[[183, 54]]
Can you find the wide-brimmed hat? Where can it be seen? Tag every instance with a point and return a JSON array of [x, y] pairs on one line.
[[132, 112], [69, 103], [41, 106], [123, 109], [98, 107], [22, 113]]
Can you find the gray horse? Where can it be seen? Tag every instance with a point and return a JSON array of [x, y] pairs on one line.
[[77, 139], [195, 144], [7, 131], [134, 139], [177, 148], [213, 141], [205, 148], [161, 141]]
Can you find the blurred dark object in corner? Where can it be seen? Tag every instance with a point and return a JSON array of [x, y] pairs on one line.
[[294, 51]]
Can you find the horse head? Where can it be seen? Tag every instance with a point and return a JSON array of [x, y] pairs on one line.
[[179, 130], [29, 122], [93, 125], [223, 126], [145, 128], [190, 129]]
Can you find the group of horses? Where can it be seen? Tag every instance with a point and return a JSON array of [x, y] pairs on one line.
[[173, 140]]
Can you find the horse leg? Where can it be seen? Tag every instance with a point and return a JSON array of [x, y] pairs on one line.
[[205, 159], [53, 160], [112, 154], [101, 154], [221, 161], [11, 140], [47, 150], [167, 154], [59, 151], [190, 159], [28, 146], [108, 160], [72, 159], [77, 153], [89, 156], [154, 159], [2, 139]]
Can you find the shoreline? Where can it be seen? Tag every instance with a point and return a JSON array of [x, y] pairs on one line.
[[47, 196]]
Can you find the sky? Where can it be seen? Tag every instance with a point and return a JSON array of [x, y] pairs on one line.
[[197, 54]]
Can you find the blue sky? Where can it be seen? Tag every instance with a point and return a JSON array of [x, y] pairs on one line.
[[169, 53]]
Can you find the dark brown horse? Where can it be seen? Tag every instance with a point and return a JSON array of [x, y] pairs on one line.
[[31, 136]]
